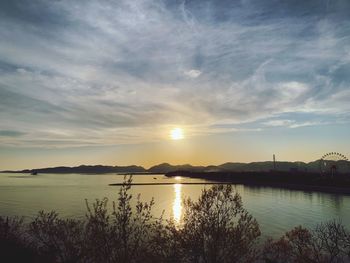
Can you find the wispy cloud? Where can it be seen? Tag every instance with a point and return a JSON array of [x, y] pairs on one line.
[[193, 73], [111, 72], [279, 123], [9, 133], [293, 123]]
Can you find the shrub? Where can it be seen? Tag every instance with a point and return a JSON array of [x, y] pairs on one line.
[[14, 244], [217, 228], [60, 240], [125, 234], [327, 243]]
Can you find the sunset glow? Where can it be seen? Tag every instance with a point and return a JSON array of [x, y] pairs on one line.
[[177, 134]]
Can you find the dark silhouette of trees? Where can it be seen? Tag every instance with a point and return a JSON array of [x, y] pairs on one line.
[[59, 240], [14, 242], [217, 228], [327, 243]]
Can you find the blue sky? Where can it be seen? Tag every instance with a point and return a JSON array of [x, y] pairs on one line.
[[105, 81]]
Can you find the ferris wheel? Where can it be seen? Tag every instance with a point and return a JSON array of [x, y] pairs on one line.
[[330, 162]]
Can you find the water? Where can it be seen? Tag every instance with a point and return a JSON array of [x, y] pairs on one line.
[[277, 210]]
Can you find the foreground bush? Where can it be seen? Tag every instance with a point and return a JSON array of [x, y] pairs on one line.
[[215, 228], [329, 242], [14, 242], [120, 235], [218, 229]]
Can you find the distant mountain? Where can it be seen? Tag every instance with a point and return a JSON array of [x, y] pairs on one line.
[[165, 168], [86, 169], [315, 166], [262, 166]]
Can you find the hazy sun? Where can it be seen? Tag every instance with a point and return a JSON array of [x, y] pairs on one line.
[[176, 134]]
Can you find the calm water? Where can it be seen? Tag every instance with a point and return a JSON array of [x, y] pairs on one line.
[[277, 210]]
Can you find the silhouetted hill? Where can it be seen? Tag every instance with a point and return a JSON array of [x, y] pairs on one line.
[[97, 169], [315, 166], [240, 167], [166, 167], [231, 166]]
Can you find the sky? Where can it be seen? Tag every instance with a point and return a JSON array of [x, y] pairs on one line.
[[105, 82]]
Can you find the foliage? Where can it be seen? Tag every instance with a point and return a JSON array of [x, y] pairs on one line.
[[61, 240], [14, 243], [217, 228], [327, 243]]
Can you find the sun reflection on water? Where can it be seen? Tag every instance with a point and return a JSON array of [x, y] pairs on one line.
[[177, 205]]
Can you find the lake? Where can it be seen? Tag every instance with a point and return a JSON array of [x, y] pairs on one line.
[[277, 210]]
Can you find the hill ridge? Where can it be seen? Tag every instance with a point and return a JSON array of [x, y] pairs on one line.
[[314, 166]]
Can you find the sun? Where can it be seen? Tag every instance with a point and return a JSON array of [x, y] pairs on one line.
[[176, 134]]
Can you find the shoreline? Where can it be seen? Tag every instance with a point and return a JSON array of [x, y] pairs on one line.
[[305, 188], [309, 182]]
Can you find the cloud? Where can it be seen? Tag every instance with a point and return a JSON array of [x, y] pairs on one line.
[[309, 123], [293, 123], [278, 123], [9, 133], [193, 73], [112, 72]]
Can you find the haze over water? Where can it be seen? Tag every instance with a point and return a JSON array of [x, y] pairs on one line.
[[277, 210]]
